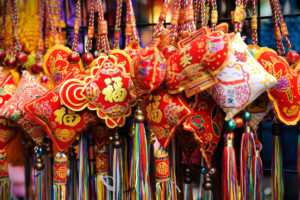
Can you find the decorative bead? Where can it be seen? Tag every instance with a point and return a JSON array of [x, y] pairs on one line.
[[44, 79], [231, 125], [208, 182], [39, 66], [168, 51], [74, 57], [87, 58], [38, 150], [292, 56], [246, 116], [239, 122], [11, 63], [116, 140], [212, 171], [203, 170], [2, 55], [187, 176], [21, 58]]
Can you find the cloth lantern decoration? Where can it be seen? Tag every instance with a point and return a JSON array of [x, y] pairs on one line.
[[206, 124], [285, 95], [28, 90], [62, 124], [57, 66], [106, 90], [241, 81], [164, 113], [194, 66]]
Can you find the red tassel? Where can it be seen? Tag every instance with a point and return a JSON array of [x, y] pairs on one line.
[[229, 172], [259, 175]]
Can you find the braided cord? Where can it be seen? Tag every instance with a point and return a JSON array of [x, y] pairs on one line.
[[2, 31], [280, 48], [174, 22], [91, 27], [162, 18], [76, 26], [102, 43], [117, 32], [131, 31], [15, 45], [39, 52], [49, 7], [254, 24], [214, 15]]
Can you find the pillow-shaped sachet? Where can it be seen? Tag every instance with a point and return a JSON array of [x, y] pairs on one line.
[[165, 112], [206, 124], [241, 81], [28, 90], [62, 124], [286, 94], [56, 64], [193, 67]]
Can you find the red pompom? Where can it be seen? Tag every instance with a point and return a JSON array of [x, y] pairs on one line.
[[11, 63], [2, 55]]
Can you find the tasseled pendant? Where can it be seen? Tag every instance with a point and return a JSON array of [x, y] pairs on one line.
[[72, 180], [229, 172], [83, 175], [187, 184], [39, 166], [259, 173], [139, 165], [298, 160], [60, 169], [164, 189], [208, 185], [102, 180], [277, 168], [247, 161], [48, 175], [118, 193], [4, 178]]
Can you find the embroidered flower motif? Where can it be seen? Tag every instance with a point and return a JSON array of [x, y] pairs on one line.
[[172, 113], [282, 85], [57, 77], [197, 121], [143, 71], [43, 109]]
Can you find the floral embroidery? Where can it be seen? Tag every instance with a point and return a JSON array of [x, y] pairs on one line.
[[43, 109], [172, 113], [185, 60], [197, 121]]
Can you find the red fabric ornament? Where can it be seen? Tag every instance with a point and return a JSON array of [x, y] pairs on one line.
[[28, 90], [285, 95], [56, 64], [106, 89], [200, 58], [148, 69], [206, 124], [62, 124], [164, 113]]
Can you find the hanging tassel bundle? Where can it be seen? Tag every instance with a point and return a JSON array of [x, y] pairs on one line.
[[39, 184], [72, 180], [83, 177], [164, 187], [117, 167], [48, 175], [247, 161], [298, 160], [259, 173], [102, 180], [277, 168], [139, 165], [60, 169], [187, 184], [229, 172], [5, 192]]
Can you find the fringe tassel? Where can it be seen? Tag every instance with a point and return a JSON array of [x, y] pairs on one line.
[[60, 177], [298, 163], [188, 192], [173, 170], [277, 168], [5, 186], [83, 177], [259, 173], [40, 190], [164, 188], [139, 176], [117, 175], [247, 165], [102, 180], [72, 180], [206, 195], [229, 172], [48, 175]]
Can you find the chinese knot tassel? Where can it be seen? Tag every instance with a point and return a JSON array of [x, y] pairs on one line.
[[60, 169], [83, 176], [229, 172], [39, 173], [277, 168], [164, 187], [259, 173], [102, 181], [247, 165], [4, 179], [139, 176]]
